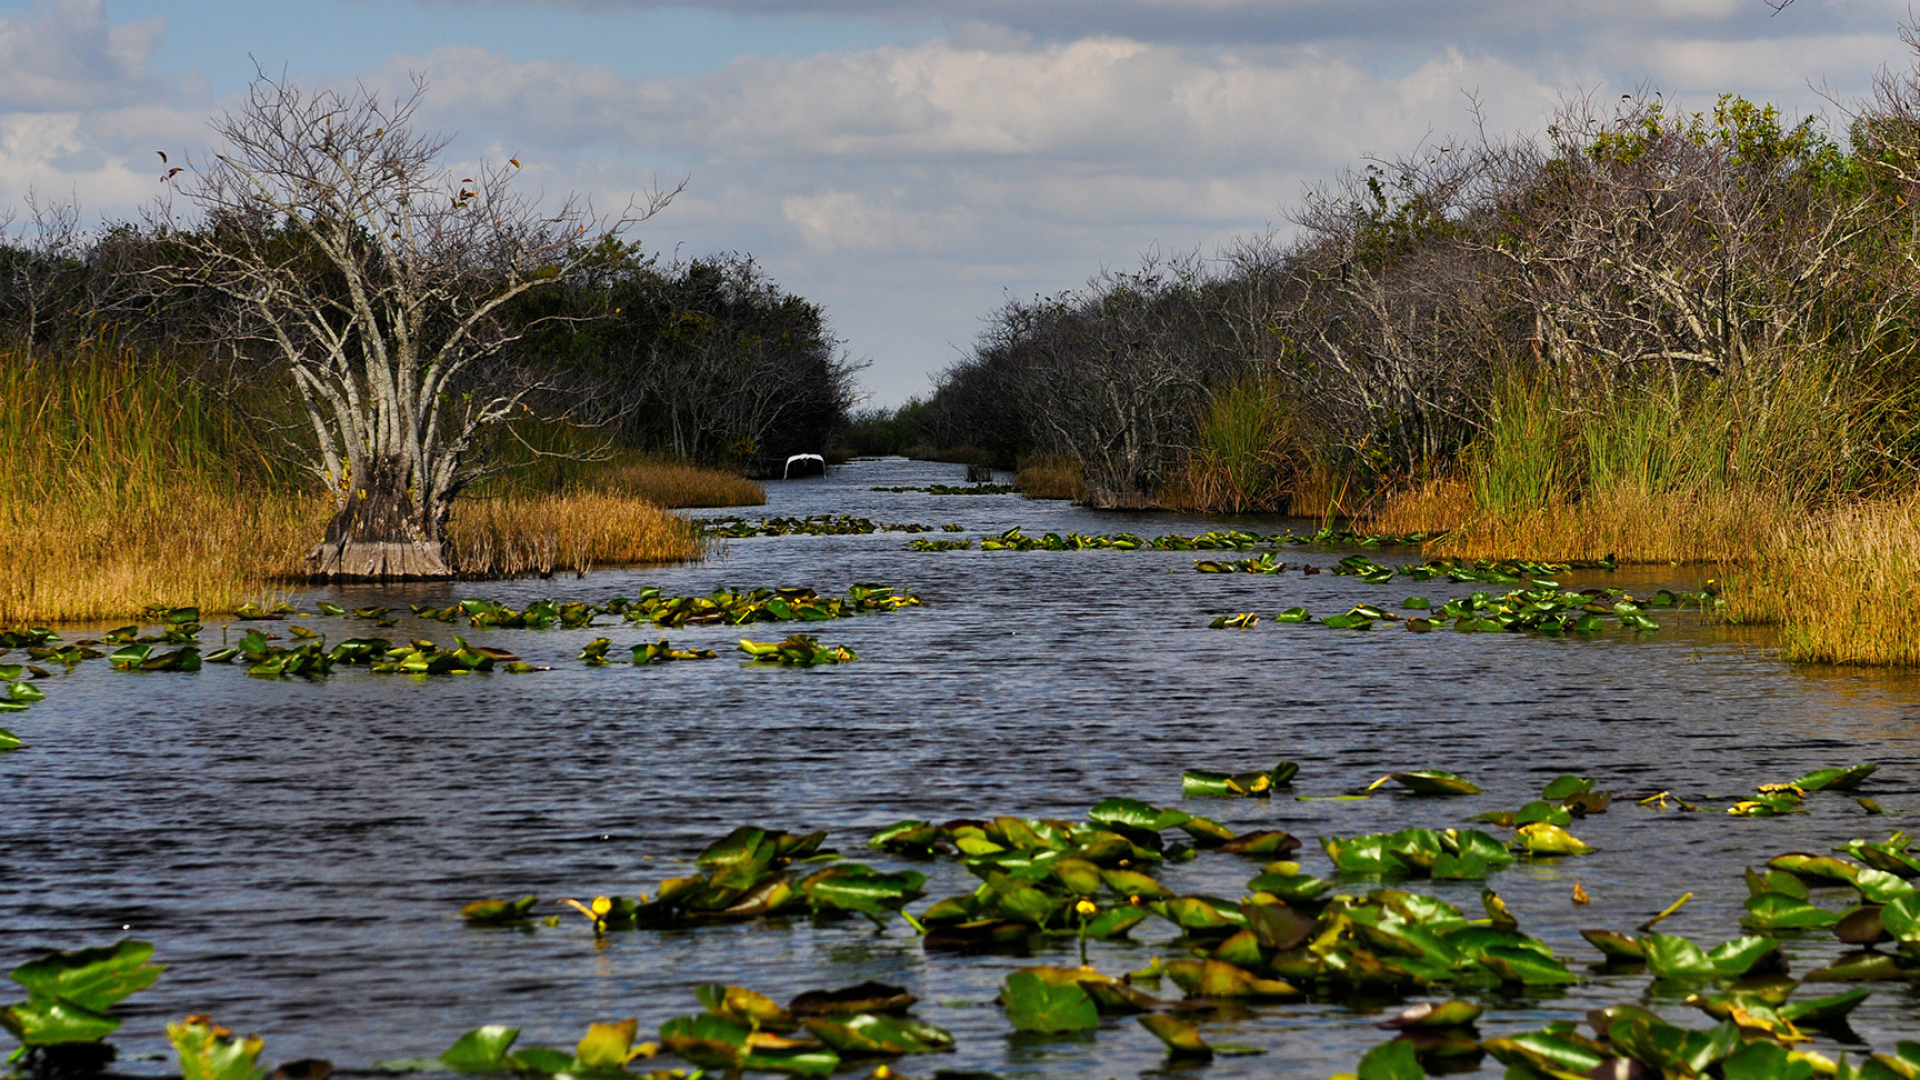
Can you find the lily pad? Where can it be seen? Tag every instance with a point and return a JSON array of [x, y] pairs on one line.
[[1434, 782], [1033, 1004]]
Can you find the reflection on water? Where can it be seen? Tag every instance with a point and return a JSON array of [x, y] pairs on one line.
[[297, 850]]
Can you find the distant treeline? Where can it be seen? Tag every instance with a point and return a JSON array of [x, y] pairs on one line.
[[1637, 295], [706, 359]]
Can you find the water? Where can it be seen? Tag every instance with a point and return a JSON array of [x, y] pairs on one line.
[[297, 850]]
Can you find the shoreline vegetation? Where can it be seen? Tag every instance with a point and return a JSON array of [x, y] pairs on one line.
[[133, 485], [1669, 337]]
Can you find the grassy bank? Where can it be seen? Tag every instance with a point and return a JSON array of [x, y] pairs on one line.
[[1765, 486], [130, 486]]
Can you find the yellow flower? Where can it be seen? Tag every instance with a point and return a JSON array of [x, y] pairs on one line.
[[601, 905], [1086, 907]]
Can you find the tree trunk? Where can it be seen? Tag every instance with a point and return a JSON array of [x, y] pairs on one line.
[[380, 535]]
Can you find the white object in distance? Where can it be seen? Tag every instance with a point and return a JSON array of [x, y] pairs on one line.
[[788, 471]]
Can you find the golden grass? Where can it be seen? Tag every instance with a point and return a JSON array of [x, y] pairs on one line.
[[1628, 523], [1051, 478], [572, 531], [82, 561], [674, 484], [1842, 585]]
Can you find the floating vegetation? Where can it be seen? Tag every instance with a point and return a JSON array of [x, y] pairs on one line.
[[660, 652], [799, 650], [499, 912], [70, 994], [1545, 610], [1754, 1039], [1563, 799], [1198, 783], [1467, 854], [1015, 540], [208, 1051], [750, 873], [761, 605], [1259, 564], [924, 544], [956, 489], [605, 1051], [1430, 782], [737, 528], [1244, 621]]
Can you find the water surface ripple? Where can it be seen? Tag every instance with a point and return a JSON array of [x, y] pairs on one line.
[[297, 850]]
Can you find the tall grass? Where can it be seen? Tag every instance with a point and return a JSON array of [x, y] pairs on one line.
[[549, 459], [1246, 453], [128, 486], [571, 531], [1842, 585], [1051, 478]]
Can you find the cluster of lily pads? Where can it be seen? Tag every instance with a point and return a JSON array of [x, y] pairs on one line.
[[956, 489], [798, 650], [63, 1025], [740, 1030], [1015, 539], [1631, 1041], [730, 608], [750, 873], [1545, 608], [738, 528], [1489, 571]]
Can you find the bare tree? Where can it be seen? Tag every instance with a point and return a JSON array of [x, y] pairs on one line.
[[380, 281], [41, 268]]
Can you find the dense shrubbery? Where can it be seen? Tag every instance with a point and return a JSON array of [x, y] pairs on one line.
[[707, 360], [1669, 301]]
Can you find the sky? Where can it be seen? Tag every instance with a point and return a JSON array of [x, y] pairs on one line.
[[908, 164]]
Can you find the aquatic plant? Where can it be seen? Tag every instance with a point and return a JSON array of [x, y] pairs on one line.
[[70, 995], [208, 1051], [924, 544], [1202, 783], [798, 650], [737, 528], [956, 489]]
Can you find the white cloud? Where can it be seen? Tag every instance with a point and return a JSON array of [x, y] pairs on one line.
[[907, 186]]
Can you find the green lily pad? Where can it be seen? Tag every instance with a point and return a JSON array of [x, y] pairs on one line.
[[871, 1035], [1565, 787], [51, 1021], [211, 1053], [1434, 782], [482, 1050], [1541, 838], [94, 979], [1834, 779], [1396, 1060], [498, 912], [1034, 1004]]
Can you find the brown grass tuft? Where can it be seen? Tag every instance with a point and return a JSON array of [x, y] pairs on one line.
[[88, 560], [1842, 585], [573, 531], [1051, 478], [675, 484], [1629, 523]]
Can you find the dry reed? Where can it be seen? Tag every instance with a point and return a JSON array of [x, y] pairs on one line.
[[572, 531], [1051, 478], [675, 484], [126, 488], [1630, 523], [84, 561], [1842, 585]]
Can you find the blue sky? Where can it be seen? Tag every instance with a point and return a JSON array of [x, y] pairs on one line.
[[908, 163]]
